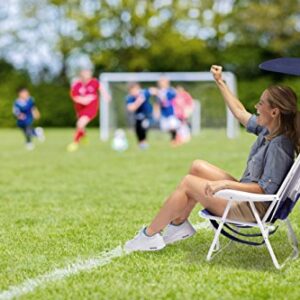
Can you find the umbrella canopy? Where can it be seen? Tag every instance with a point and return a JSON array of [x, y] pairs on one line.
[[284, 65]]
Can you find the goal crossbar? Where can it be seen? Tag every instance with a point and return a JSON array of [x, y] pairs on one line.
[[232, 128]]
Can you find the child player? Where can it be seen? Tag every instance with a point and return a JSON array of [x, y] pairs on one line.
[[184, 106], [165, 98], [25, 111], [85, 95], [138, 101]]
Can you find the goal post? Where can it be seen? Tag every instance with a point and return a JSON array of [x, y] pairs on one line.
[[106, 79]]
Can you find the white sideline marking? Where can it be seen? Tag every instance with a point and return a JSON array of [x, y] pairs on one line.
[[104, 258], [58, 274]]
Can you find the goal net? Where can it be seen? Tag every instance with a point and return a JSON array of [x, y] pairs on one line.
[[209, 112]]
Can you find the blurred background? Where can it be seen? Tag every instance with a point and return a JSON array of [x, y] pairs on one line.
[[44, 42]]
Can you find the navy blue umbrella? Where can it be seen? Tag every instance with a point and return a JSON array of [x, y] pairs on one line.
[[284, 65]]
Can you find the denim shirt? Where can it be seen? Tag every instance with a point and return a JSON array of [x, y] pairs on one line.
[[269, 161]]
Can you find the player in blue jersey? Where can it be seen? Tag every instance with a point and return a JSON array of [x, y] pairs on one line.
[[25, 111], [165, 98], [138, 101]]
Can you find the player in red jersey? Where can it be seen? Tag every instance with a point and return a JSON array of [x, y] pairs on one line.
[[85, 94]]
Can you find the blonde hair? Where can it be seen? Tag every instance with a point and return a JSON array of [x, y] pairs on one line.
[[285, 99]]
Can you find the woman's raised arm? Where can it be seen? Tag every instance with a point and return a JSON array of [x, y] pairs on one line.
[[234, 104]]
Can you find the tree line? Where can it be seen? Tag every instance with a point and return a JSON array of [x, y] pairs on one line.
[[128, 35]]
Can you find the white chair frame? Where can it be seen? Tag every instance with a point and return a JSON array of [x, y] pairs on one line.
[[290, 185]]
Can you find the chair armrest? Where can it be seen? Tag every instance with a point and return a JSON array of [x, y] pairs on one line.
[[244, 196]]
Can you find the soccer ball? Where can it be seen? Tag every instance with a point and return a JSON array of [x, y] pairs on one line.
[[119, 142]]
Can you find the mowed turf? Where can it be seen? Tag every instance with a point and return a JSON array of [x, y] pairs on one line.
[[59, 207]]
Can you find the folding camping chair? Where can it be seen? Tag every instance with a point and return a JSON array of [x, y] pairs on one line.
[[281, 205]]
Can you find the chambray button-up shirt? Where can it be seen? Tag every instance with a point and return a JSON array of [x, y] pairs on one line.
[[269, 161]]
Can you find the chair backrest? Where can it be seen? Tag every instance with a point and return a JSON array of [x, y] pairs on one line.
[[288, 193], [291, 182]]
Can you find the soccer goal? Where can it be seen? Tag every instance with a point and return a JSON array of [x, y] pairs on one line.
[[204, 92]]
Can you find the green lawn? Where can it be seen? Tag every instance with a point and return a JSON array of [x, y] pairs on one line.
[[58, 207]]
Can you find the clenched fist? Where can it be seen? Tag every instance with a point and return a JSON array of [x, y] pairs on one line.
[[216, 72]]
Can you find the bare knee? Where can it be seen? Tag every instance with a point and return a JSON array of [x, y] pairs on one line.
[[79, 124], [197, 167], [82, 122], [187, 186], [184, 182]]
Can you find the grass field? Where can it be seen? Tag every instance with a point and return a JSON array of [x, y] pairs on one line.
[[58, 208]]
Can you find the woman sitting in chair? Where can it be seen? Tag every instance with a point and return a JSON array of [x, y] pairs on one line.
[[277, 127]]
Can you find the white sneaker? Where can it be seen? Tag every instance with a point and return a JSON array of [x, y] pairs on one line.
[[40, 134], [29, 146], [180, 232], [142, 242]]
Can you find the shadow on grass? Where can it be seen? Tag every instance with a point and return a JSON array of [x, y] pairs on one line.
[[238, 256], [234, 256]]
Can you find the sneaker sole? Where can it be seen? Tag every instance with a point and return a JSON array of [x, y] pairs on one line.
[[178, 238], [145, 250]]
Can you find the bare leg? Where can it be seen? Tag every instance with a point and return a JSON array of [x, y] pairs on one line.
[[190, 191], [82, 122], [185, 213], [204, 170], [80, 128]]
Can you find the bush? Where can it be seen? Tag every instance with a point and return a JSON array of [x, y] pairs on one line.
[[56, 107], [249, 91]]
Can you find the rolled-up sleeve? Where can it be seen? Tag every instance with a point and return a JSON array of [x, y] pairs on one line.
[[253, 127], [277, 164]]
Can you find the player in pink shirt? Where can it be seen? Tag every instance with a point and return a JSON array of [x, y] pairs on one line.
[[85, 95], [183, 105]]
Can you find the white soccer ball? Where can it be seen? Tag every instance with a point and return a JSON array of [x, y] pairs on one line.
[[119, 142]]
